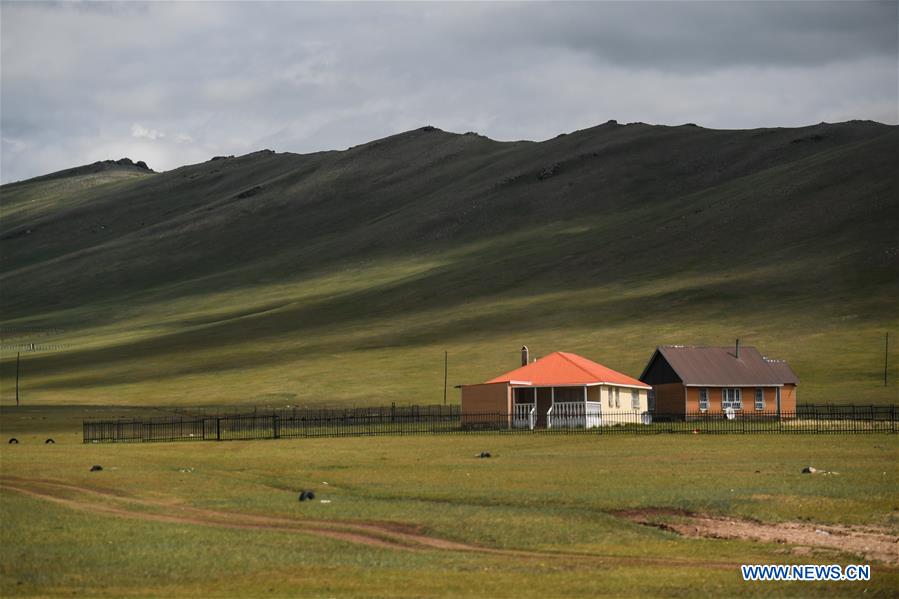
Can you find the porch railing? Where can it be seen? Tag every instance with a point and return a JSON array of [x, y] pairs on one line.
[[574, 414], [593, 414], [524, 415]]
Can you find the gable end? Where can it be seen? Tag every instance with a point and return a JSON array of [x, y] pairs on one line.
[[659, 371]]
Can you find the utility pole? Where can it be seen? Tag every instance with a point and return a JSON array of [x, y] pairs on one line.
[[886, 357], [445, 358], [17, 378]]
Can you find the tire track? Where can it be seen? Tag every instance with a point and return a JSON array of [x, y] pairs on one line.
[[382, 535]]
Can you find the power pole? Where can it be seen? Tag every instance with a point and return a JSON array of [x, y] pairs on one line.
[[17, 379], [445, 358]]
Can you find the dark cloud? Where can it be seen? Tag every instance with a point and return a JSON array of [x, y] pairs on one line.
[[172, 83], [690, 35]]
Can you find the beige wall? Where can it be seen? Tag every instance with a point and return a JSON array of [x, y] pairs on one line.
[[624, 412], [495, 398]]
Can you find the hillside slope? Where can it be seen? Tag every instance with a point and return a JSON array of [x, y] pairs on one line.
[[342, 276]]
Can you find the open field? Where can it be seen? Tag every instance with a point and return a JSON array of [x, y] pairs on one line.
[[340, 278], [424, 517], [288, 348]]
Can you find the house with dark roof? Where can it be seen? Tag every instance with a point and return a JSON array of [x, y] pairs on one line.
[[560, 390], [716, 380]]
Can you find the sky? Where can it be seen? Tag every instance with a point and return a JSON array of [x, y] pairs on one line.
[[176, 83]]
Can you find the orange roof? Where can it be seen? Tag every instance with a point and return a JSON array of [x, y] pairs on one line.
[[563, 368]]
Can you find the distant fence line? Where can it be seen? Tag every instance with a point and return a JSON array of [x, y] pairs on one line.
[[426, 420]]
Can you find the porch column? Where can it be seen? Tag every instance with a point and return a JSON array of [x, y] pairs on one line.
[[552, 402]]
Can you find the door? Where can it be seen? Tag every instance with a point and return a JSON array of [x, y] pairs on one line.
[[544, 402]]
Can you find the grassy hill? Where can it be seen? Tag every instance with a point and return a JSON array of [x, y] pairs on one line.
[[341, 277]]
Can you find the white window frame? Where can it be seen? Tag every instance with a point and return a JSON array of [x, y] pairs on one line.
[[759, 399], [735, 402], [704, 399], [635, 399]]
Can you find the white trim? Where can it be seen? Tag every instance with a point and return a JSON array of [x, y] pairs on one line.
[[531, 384], [756, 399], [625, 386], [736, 403]]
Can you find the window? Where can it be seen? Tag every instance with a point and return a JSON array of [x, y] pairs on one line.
[[611, 399], [651, 400], [703, 400], [635, 399], [617, 397], [730, 398], [759, 399]]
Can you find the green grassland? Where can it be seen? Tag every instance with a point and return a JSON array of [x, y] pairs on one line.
[[553, 495], [340, 278]]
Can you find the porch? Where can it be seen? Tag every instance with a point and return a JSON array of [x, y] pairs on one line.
[[556, 407]]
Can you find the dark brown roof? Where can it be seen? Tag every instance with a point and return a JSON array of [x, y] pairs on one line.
[[783, 371], [719, 366]]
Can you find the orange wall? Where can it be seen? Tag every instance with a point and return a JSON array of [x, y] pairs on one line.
[[787, 399], [669, 398], [493, 398]]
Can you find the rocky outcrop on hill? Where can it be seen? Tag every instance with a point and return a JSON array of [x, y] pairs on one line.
[[124, 162]]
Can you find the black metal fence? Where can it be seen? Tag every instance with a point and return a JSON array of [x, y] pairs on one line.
[[423, 420]]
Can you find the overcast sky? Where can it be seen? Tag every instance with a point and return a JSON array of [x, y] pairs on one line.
[[177, 83]]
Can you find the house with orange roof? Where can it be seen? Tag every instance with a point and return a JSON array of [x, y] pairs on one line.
[[560, 390]]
